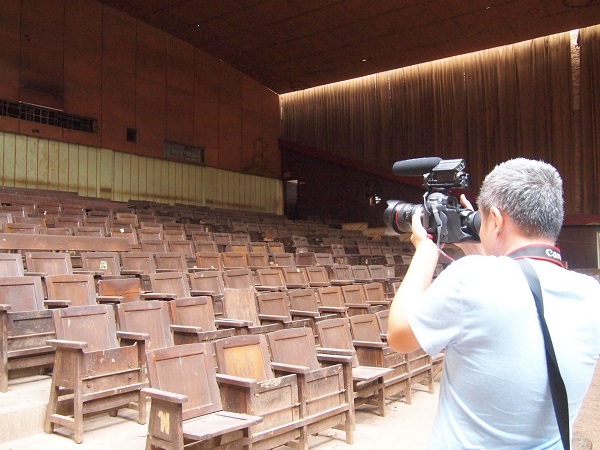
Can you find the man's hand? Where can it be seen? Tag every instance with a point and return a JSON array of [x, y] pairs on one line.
[[469, 247], [420, 237]]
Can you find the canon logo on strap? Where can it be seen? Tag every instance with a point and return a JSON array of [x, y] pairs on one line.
[[538, 251], [551, 253]]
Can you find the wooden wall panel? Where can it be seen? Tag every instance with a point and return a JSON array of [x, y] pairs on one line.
[[150, 117], [230, 85], [118, 40], [53, 169], [253, 144], [43, 164], [10, 43], [105, 173], [206, 124], [83, 32], [83, 66], [42, 47], [30, 165], [252, 93], [63, 166], [73, 172], [9, 124], [118, 109], [20, 162], [91, 60], [180, 116], [180, 64], [9, 151], [151, 53], [206, 75], [230, 137]]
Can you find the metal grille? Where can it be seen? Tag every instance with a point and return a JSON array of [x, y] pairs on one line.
[[38, 114]]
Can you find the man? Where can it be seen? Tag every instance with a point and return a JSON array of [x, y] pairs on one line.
[[494, 388]]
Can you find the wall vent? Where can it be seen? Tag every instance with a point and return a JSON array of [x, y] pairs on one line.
[[47, 116]]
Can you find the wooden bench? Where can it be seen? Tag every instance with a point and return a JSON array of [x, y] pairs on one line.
[[16, 241]]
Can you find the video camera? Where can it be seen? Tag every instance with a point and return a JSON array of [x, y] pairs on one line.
[[443, 216]]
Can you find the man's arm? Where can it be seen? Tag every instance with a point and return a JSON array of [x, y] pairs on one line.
[[417, 279]]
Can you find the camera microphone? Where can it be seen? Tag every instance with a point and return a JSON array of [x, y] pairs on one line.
[[416, 166]]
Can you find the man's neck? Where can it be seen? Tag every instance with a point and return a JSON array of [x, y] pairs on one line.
[[518, 242]]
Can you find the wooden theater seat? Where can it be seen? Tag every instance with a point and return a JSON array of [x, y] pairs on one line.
[[372, 350], [369, 384], [187, 410], [324, 381], [248, 385], [25, 325], [97, 369]]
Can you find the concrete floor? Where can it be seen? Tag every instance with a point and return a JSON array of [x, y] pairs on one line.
[[403, 427]]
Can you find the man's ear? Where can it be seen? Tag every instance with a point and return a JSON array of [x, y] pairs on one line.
[[497, 219]]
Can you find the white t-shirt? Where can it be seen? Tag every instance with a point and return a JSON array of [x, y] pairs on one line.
[[494, 391]]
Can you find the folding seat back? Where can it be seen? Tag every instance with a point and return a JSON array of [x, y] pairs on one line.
[[106, 263], [11, 265], [49, 263], [256, 390], [148, 317], [129, 289], [174, 283], [71, 290], [170, 261], [234, 260], [154, 246]]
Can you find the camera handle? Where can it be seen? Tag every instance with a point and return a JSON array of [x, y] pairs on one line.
[[439, 225]]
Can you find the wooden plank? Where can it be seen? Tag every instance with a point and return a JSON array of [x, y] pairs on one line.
[[15, 241]]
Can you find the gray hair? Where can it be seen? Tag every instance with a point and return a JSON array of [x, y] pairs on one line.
[[529, 192]]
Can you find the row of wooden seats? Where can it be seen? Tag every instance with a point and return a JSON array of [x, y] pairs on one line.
[[61, 419], [188, 408], [156, 239], [63, 288], [323, 272], [367, 381], [320, 231]]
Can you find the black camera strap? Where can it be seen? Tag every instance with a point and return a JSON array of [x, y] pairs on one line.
[[558, 390]]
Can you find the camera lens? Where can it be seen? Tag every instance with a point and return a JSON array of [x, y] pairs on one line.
[[473, 223], [398, 215]]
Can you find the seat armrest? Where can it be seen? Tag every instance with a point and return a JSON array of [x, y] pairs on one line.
[[273, 318], [35, 274], [159, 394], [109, 299], [185, 329], [51, 304], [232, 323], [295, 312], [133, 336], [369, 344], [334, 351], [132, 272], [337, 359], [158, 296], [5, 307], [61, 343], [280, 367], [235, 381]]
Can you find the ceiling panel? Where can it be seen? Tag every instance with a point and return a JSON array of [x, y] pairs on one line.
[[288, 45]]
